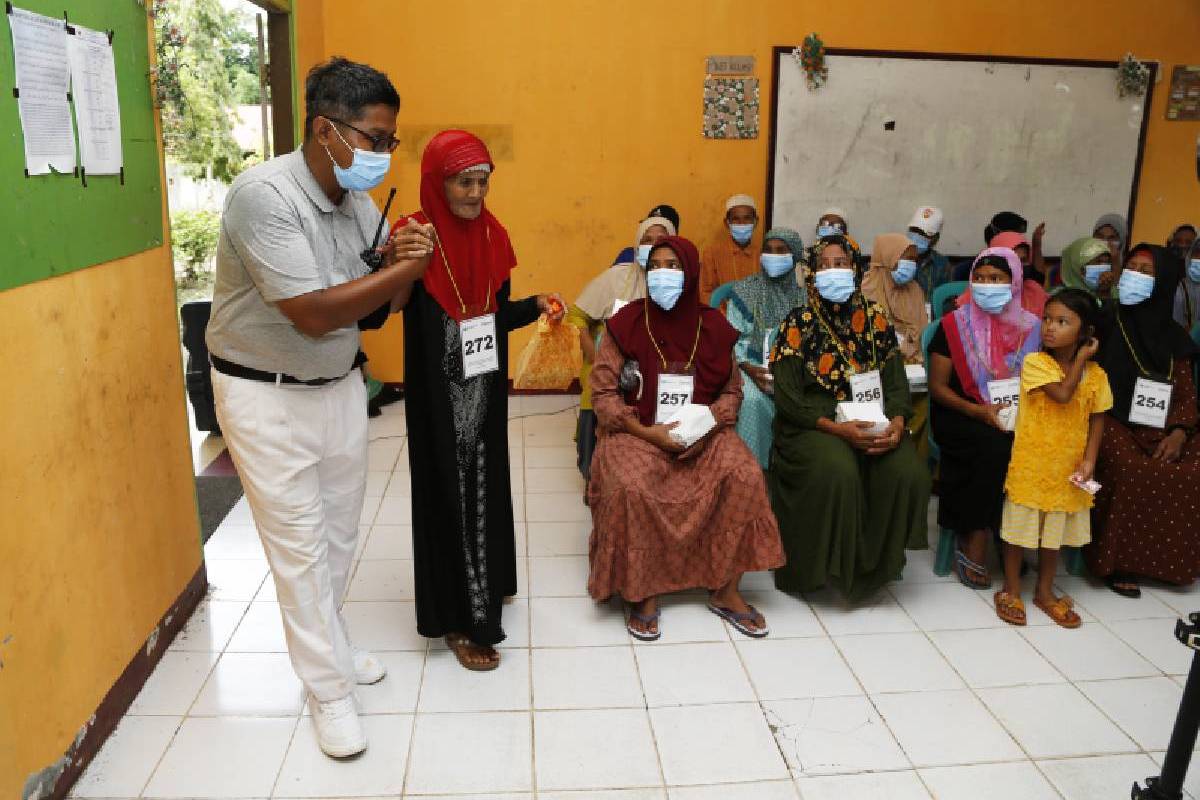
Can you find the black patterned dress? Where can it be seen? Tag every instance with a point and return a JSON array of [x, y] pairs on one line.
[[463, 538]]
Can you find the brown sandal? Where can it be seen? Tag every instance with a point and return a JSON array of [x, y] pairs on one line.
[[461, 646], [1061, 612], [1010, 608]]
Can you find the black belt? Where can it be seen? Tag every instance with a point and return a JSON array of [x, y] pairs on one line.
[[238, 371]]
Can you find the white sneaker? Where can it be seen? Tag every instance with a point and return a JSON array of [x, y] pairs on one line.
[[367, 668], [339, 732]]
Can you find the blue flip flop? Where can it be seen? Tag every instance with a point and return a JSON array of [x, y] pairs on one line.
[[962, 564], [738, 620], [647, 620]]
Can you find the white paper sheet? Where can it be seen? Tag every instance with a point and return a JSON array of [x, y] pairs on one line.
[[40, 56], [97, 109]]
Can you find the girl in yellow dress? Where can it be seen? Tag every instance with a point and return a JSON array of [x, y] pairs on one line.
[[1059, 424]]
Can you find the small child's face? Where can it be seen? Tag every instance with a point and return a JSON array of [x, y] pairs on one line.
[[1060, 326]]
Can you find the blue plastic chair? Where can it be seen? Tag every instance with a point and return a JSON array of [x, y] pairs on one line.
[[943, 293], [721, 294], [943, 559]]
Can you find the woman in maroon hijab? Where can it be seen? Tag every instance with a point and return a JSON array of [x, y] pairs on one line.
[[668, 517], [456, 326]]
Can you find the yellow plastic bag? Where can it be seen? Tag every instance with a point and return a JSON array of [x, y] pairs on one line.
[[552, 358]]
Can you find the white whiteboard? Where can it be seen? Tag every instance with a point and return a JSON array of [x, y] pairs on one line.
[[1050, 142]]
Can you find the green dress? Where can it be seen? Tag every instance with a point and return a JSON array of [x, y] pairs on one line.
[[845, 517]]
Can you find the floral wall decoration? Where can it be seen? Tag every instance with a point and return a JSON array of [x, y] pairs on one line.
[[731, 108]]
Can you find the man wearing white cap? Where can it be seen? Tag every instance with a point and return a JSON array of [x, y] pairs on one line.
[[933, 268], [733, 255]]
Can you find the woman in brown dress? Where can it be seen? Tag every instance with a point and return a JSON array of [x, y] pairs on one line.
[[1146, 521], [668, 518]]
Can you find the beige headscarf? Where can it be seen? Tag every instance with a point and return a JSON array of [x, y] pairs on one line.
[[623, 282], [905, 305]]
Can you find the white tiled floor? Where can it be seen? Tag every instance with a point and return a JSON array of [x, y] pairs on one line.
[[918, 693]]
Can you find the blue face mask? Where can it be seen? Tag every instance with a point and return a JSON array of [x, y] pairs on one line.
[[826, 229], [1194, 270], [741, 232], [665, 287], [906, 270], [366, 170], [992, 297], [776, 265], [643, 254], [834, 284], [1092, 273], [921, 241], [1134, 288]]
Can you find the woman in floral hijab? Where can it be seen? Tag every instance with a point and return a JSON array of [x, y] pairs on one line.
[[849, 496]]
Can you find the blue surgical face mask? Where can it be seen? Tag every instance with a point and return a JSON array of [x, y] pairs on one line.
[[643, 254], [992, 297], [1194, 270], [827, 229], [776, 265], [1092, 273], [906, 270], [665, 287], [921, 241], [835, 284], [741, 232], [366, 170], [1134, 288]]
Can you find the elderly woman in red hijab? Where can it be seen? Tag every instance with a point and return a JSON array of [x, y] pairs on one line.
[[456, 326], [668, 516]]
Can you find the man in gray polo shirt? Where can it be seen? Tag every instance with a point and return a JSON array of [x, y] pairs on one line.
[[291, 286]]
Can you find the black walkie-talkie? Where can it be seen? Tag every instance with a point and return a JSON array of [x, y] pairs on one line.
[[371, 256], [374, 261]]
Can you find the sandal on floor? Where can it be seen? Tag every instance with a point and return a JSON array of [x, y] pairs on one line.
[[963, 565], [460, 645], [1010, 608], [1061, 612], [647, 620], [1123, 586], [738, 620]]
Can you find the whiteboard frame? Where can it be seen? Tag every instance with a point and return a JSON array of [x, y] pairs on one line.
[[779, 52]]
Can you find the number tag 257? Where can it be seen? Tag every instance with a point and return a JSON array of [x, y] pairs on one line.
[[479, 352], [674, 392]]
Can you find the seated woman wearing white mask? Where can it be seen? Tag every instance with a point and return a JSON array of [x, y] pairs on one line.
[[1145, 522], [668, 517], [975, 363], [849, 496], [606, 294], [757, 307]]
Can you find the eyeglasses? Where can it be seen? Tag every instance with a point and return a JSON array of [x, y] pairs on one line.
[[385, 143]]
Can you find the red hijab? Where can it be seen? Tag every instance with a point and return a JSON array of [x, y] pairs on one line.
[[675, 333], [478, 250]]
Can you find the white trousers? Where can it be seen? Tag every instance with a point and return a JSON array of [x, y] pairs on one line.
[[301, 453]]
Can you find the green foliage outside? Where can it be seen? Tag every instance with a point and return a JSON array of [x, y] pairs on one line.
[[194, 237]]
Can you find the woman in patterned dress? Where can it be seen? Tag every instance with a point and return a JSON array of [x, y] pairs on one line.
[[667, 518], [457, 405]]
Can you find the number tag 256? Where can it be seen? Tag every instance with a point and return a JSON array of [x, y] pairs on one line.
[[867, 388]]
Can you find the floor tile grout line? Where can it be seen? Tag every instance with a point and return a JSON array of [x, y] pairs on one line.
[[412, 737], [975, 694]]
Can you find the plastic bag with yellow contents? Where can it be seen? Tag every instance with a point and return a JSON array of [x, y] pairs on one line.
[[552, 358]]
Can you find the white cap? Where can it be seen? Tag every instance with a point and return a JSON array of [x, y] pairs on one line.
[[834, 211], [740, 200], [928, 220]]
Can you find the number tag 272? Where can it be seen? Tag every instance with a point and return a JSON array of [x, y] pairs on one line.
[[674, 392], [479, 352]]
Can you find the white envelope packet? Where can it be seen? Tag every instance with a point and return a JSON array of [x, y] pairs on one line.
[[694, 422], [917, 380], [862, 412], [1008, 417]]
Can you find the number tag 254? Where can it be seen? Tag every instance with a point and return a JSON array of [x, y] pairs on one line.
[[1151, 399], [674, 392], [479, 352]]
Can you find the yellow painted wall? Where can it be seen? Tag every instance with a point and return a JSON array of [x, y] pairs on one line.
[[98, 527], [603, 98], [99, 533]]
